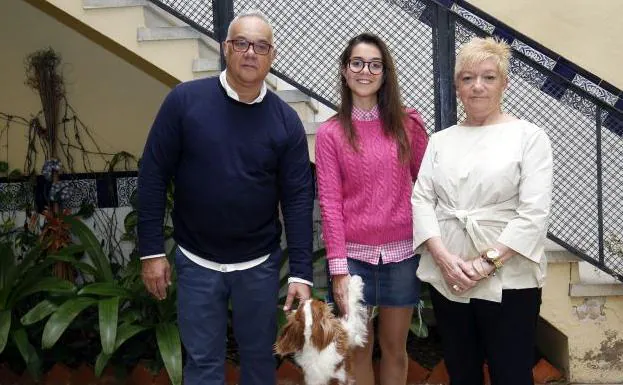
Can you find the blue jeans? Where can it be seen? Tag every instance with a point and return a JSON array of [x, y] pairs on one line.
[[203, 299]]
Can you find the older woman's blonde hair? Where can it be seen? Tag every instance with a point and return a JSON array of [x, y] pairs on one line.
[[479, 49]]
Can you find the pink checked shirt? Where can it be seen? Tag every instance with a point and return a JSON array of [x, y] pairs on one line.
[[365, 196]]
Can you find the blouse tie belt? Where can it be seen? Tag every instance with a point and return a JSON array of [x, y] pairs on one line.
[[501, 212]]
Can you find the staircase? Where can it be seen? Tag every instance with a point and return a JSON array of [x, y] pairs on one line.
[[169, 49]]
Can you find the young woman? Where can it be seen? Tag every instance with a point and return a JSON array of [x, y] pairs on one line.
[[367, 158]]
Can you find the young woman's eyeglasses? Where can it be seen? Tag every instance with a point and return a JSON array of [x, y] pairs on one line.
[[242, 45], [375, 67]]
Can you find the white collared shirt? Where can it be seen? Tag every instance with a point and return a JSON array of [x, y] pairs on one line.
[[229, 267], [234, 95]]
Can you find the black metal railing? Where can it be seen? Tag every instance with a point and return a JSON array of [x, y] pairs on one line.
[[581, 118]]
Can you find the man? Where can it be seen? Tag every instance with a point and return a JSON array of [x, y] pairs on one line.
[[235, 151]]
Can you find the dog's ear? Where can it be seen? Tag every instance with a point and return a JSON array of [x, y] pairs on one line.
[[292, 337], [323, 326]]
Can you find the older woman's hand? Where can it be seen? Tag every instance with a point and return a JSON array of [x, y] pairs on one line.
[[451, 265], [455, 272]]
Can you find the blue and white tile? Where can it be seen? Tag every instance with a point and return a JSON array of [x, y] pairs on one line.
[[533, 54], [579, 103], [83, 191], [462, 34], [594, 89], [125, 188], [477, 21], [527, 73], [15, 195], [413, 7]]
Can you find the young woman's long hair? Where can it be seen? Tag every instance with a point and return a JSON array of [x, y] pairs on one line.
[[391, 110]]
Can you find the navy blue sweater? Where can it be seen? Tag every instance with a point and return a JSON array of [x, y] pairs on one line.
[[232, 164]]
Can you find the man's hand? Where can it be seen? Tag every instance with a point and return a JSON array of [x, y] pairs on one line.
[[296, 290], [156, 274], [340, 292]]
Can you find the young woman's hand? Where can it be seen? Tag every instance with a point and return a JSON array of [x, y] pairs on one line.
[[340, 292]]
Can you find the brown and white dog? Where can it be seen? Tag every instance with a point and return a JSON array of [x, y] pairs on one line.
[[321, 343]]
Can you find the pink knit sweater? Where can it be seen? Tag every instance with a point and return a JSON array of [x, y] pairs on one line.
[[365, 196]]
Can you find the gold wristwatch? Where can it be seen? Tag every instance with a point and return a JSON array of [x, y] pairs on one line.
[[492, 257]]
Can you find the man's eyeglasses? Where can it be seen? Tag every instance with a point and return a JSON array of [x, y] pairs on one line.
[[375, 67], [242, 45]]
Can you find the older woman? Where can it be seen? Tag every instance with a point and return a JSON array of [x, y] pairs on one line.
[[480, 207]]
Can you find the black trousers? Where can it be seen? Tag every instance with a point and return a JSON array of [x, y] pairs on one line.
[[503, 334]]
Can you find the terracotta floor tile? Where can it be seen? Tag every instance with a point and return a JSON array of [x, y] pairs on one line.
[[544, 372], [439, 375]]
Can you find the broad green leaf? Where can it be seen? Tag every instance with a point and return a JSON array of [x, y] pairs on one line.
[[168, 338], [108, 315], [127, 331], [28, 352], [419, 329], [7, 262], [29, 279], [15, 272], [39, 312], [108, 289], [130, 316], [62, 317], [49, 284], [5, 326], [100, 363], [85, 268], [130, 221], [93, 248], [71, 250], [124, 332]]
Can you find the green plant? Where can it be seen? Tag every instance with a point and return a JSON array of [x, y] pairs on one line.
[[22, 275], [123, 306], [419, 326]]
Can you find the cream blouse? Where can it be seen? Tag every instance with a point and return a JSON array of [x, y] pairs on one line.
[[482, 185]]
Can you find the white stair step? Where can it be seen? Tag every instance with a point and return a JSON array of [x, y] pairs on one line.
[[166, 33], [588, 290], [94, 4], [293, 96], [205, 65]]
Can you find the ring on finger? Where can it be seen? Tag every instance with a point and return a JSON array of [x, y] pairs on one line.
[[456, 287]]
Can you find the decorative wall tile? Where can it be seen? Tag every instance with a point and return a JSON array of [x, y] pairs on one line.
[[527, 73], [533, 54], [462, 34], [581, 104], [594, 89], [82, 191], [125, 188], [413, 7], [477, 21], [15, 195], [607, 86]]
